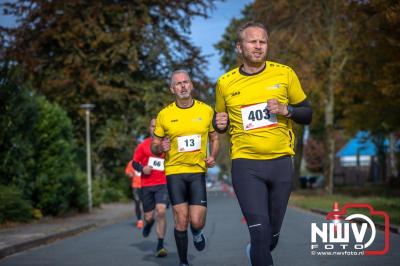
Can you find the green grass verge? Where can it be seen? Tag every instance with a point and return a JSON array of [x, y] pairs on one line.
[[322, 201]]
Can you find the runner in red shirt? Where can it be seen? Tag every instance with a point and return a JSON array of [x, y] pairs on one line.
[[136, 185], [154, 189]]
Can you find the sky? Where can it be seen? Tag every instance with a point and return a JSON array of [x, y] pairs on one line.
[[204, 32], [207, 32]]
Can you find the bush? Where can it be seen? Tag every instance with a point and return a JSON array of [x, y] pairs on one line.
[[97, 193], [55, 168], [79, 199], [19, 114], [113, 192], [37, 148], [13, 206]]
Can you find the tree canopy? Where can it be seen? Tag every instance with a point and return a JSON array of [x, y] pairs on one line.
[[117, 55], [346, 55]]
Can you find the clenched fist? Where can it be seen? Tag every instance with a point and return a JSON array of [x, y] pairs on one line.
[[165, 144], [210, 161], [147, 170], [275, 107], [221, 120]]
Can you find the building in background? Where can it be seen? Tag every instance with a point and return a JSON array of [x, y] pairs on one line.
[[357, 161]]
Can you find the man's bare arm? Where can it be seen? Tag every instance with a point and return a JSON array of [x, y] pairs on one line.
[[210, 160]]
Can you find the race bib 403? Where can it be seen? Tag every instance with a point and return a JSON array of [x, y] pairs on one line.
[[257, 116], [189, 143]]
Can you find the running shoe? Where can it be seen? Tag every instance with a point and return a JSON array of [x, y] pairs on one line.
[[139, 224], [248, 247], [183, 264], [147, 228], [199, 241], [162, 252]]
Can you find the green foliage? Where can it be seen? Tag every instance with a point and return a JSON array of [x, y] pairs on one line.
[[18, 116], [97, 193], [322, 201], [54, 168], [113, 54], [113, 194], [115, 187], [79, 196], [117, 55], [13, 205], [226, 46], [37, 147]]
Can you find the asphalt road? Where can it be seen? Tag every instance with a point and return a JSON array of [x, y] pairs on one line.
[[122, 244]]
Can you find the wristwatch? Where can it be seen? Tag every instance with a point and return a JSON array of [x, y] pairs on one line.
[[290, 111]]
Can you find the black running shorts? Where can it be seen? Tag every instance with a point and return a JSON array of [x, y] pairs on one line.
[[153, 195], [190, 188]]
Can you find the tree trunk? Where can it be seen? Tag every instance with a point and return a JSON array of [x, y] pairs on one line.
[[382, 162], [379, 142], [392, 157], [329, 149], [329, 131]]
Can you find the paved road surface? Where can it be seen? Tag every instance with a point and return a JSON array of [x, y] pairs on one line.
[[121, 244]]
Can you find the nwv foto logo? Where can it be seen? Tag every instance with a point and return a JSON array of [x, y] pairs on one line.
[[335, 235]]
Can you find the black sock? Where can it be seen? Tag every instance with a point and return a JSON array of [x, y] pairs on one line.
[[194, 231], [181, 240], [138, 211], [160, 244], [149, 223]]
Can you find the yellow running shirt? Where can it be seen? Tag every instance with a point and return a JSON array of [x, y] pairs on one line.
[[256, 134], [187, 129]]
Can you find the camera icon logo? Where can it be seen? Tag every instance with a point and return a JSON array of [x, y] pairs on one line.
[[333, 237]]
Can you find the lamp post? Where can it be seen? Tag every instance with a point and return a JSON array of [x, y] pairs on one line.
[[88, 107]]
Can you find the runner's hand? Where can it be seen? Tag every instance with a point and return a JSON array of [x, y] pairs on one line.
[[275, 107], [165, 144], [147, 170], [221, 120], [210, 161]]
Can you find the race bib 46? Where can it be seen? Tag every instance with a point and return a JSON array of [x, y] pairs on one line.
[[156, 163]]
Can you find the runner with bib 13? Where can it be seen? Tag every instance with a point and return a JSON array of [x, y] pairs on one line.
[[182, 131]]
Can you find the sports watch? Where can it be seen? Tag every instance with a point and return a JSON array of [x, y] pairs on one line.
[[290, 111]]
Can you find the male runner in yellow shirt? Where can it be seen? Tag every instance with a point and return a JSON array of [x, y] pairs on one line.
[[182, 132], [258, 101]]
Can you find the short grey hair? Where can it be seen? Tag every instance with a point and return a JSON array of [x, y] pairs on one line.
[[249, 24], [179, 71]]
